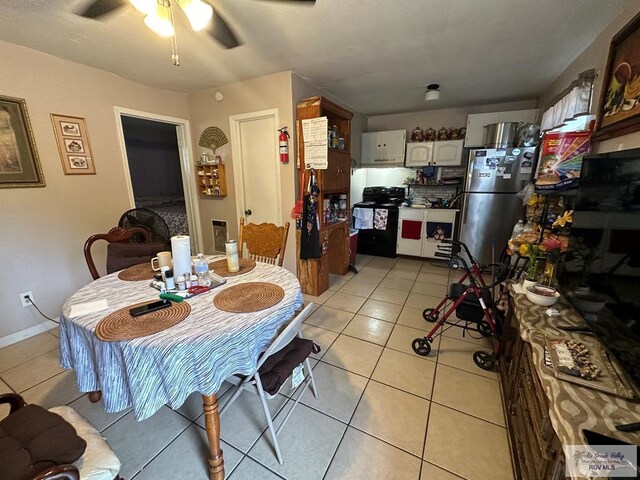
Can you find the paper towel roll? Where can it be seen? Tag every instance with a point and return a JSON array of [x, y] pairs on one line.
[[181, 251]]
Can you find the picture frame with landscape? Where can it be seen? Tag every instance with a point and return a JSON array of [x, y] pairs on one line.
[[619, 110], [73, 144], [19, 161]]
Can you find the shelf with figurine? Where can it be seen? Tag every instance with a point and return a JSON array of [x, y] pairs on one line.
[[431, 135], [211, 180]]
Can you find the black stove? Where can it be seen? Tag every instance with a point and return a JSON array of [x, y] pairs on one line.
[[379, 238]]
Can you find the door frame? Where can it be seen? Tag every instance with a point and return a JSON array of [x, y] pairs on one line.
[[183, 135], [236, 147]]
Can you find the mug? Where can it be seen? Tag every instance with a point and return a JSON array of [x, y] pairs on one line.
[[163, 259]]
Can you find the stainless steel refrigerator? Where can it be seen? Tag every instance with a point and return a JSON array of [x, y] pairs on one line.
[[490, 205]]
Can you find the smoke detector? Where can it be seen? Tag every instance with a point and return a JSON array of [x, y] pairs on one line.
[[432, 92]]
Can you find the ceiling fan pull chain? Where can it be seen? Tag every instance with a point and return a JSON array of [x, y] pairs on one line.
[[175, 57]]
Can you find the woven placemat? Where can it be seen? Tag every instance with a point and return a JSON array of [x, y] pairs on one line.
[[120, 325], [220, 267], [248, 297], [142, 271]]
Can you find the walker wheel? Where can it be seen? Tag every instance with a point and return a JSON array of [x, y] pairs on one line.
[[430, 314], [421, 346], [485, 329], [484, 360]]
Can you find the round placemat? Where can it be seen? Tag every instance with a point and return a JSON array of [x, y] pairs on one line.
[[220, 267], [142, 271], [248, 297], [120, 325]]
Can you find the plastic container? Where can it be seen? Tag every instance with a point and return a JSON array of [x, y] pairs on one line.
[[517, 229], [201, 267], [233, 261]]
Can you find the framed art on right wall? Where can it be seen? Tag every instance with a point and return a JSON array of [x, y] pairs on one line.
[[619, 110]]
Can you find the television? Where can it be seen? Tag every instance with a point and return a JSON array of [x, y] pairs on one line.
[[601, 277]]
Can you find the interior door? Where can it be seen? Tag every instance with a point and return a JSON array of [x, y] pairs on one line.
[[256, 166]]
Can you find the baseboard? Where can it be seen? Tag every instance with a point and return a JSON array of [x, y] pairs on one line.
[[27, 333]]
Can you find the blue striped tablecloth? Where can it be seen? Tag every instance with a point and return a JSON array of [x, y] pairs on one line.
[[165, 368]]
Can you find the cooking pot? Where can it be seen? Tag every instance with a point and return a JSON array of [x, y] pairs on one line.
[[501, 135]]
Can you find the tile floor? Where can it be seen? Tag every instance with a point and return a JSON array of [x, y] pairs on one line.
[[383, 412]]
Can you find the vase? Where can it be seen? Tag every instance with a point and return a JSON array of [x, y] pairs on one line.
[[528, 283]]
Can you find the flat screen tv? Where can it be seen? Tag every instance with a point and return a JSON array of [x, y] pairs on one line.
[[602, 273]]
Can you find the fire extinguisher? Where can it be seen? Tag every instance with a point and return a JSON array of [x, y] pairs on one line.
[[283, 140]]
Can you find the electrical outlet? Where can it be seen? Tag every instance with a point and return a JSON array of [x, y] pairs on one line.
[[23, 298]]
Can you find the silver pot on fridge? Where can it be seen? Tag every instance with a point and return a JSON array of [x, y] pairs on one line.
[[501, 135]]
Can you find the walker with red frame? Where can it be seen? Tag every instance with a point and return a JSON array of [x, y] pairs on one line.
[[472, 302]]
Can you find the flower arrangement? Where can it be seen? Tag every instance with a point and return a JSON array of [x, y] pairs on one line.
[[549, 250]]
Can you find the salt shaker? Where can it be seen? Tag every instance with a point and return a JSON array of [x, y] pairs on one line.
[[233, 261]]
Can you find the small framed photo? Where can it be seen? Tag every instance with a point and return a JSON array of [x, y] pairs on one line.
[[73, 145]]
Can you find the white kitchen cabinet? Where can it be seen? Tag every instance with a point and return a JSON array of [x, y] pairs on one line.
[[383, 149], [429, 222], [437, 223], [419, 154], [447, 153], [477, 121]]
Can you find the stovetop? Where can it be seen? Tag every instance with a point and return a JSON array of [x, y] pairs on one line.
[[383, 195]]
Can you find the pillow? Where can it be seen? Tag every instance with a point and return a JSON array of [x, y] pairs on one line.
[[124, 254], [279, 366], [33, 439]]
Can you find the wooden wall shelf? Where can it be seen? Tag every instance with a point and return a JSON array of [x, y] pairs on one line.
[[211, 180]]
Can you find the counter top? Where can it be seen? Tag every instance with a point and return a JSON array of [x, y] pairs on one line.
[[571, 407], [430, 208]]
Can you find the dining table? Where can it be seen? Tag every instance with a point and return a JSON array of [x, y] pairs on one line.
[[164, 368]]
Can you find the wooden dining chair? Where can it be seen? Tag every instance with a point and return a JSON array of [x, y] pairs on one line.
[[125, 254], [265, 242]]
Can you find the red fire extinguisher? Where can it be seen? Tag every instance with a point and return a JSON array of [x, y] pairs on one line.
[[283, 140]]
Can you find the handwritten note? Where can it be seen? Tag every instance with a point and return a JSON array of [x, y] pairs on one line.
[[314, 132]]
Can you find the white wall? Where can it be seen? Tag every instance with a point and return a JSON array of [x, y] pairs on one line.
[[436, 119], [44, 229], [595, 56]]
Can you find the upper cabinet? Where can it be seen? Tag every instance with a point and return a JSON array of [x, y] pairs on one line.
[[438, 154], [477, 121], [383, 149], [447, 153]]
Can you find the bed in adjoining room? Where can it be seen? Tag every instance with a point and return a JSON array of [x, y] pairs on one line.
[[171, 209]]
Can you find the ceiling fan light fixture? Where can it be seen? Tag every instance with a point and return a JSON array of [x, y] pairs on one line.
[[160, 21], [432, 92], [148, 7], [198, 13]]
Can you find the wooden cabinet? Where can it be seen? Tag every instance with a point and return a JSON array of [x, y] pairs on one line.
[[333, 182], [423, 223], [446, 153], [211, 180], [535, 447], [476, 122]]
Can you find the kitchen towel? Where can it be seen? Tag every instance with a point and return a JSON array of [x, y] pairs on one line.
[[181, 252], [363, 218], [380, 220], [411, 229]]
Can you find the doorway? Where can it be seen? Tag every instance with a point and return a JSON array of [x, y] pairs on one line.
[[256, 166], [158, 170]]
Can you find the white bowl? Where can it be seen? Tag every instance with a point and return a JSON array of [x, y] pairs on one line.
[[542, 300]]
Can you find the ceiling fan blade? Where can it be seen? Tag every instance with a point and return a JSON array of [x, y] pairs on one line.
[[98, 8], [221, 31]]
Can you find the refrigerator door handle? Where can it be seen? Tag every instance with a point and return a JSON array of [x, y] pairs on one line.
[[465, 208]]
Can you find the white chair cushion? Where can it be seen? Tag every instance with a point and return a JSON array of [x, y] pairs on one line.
[[98, 461]]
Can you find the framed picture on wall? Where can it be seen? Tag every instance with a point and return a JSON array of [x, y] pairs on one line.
[[73, 145], [619, 111], [19, 162]]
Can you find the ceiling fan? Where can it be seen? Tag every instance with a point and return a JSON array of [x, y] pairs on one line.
[[159, 16]]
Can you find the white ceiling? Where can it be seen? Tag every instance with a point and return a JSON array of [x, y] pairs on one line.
[[374, 55]]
